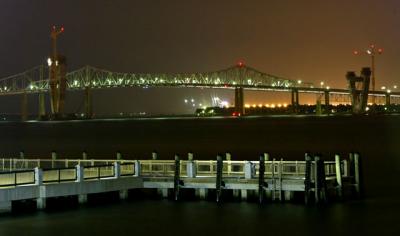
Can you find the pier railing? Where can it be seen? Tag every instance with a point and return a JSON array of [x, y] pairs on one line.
[[276, 178], [59, 175], [10, 164], [15, 178], [98, 171], [64, 170]]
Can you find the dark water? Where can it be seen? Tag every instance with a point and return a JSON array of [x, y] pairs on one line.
[[370, 217], [376, 138]]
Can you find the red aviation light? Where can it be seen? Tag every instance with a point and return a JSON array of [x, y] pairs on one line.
[[240, 64], [380, 50], [355, 52], [62, 29]]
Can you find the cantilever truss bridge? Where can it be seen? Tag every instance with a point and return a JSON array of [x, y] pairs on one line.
[[36, 80], [239, 77]]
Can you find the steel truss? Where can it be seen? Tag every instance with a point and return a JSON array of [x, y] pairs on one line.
[[36, 80]]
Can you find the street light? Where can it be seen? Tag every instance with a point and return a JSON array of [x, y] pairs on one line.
[[299, 81]]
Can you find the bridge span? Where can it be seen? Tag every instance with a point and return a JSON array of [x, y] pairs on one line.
[[239, 78]]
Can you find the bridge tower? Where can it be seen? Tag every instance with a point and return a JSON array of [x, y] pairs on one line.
[[359, 98], [57, 64], [239, 91], [295, 100], [239, 100]]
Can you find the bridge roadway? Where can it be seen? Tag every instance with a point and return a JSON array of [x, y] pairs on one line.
[[60, 178]]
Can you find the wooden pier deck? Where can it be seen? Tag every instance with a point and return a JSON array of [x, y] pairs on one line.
[[38, 180]]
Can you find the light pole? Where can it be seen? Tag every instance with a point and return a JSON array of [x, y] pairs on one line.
[[372, 51]]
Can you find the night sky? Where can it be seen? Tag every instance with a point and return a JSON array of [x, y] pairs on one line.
[[309, 40]]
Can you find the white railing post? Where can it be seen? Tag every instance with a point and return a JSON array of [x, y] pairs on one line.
[[137, 168], [53, 158], [248, 170], [38, 176], [229, 162], [41, 200], [80, 176], [117, 169], [154, 155], [119, 156], [191, 169]]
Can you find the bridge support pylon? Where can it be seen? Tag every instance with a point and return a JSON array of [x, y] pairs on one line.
[[88, 103], [359, 98], [239, 100], [24, 107], [295, 100], [387, 99], [326, 101], [42, 106]]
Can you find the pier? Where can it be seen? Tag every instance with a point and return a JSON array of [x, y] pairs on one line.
[[268, 180]]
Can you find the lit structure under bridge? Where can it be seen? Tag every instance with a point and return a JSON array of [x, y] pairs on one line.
[[238, 77]]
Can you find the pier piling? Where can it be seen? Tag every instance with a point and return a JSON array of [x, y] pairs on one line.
[[357, 169], [307, 180], [177, 177], [261, 180], [316, 179], [338, 176], [280, 170], [219, 182], [273, 180], [322, 181]]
